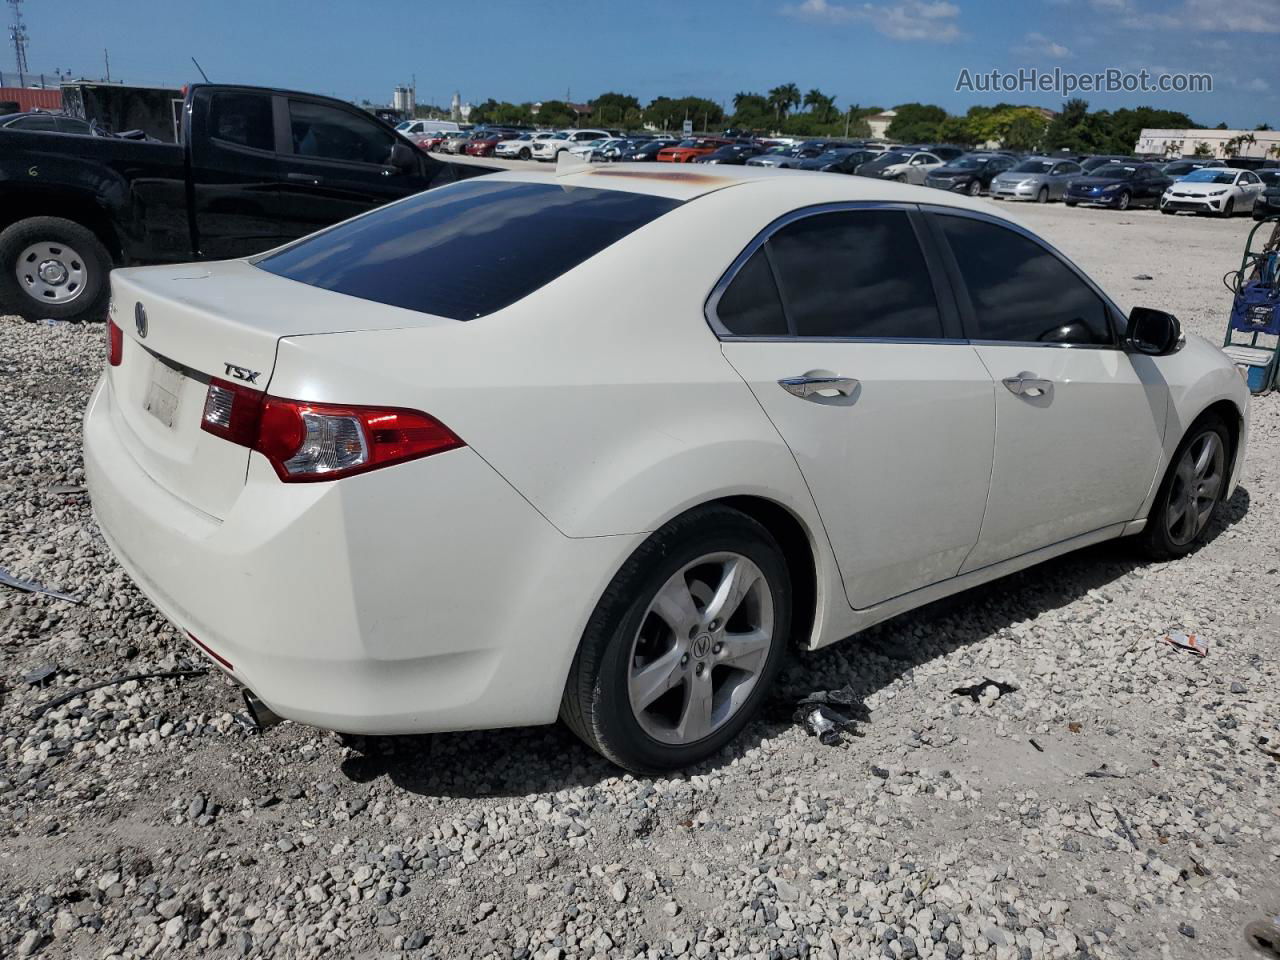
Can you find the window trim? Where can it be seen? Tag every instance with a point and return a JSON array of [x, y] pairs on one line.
[[1116, 321], [948, 306]]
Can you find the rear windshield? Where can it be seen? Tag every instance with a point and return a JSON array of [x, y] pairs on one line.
[[469, 249]]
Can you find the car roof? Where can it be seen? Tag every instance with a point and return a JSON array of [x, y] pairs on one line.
[[800, 188]]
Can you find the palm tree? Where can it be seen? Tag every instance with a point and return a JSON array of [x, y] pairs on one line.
[[783, 98], [818, 102]]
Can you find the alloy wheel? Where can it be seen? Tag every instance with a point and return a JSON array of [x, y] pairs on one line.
[[975, 188], [1195, 488], [1122, 202], [701, 648], [51, 272]]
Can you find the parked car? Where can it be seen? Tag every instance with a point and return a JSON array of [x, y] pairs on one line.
[[970, 173], [907, 166], [39, 121], [366, 525], [1268, 203], [587, 151], [431, 141], [1180, 168], [839, 160], [1222, 191], [414, 129], [550, 148], [1119, 185], [455, 141], [734, 154], [645, 152], [1038, 178], [256, 167], [1089, 164], [794, 155], [484, 144], [943, 152], [521, 147], [689, 149], [623, 146]]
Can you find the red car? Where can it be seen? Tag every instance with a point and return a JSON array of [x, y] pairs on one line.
[[483, 146], [430, 142], [686, 151]]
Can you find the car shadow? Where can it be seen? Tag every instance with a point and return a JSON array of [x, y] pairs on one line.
[[526, 760]]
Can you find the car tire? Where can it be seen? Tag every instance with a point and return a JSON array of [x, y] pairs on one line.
[[1123, 200], [1228, 209], [1166, 535], [82, 264], [1166, 211], [1043, 195], [686, 559], [525, 154], [975, 188]]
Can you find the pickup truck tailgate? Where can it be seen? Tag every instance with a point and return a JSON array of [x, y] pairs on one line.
[[185, 325]]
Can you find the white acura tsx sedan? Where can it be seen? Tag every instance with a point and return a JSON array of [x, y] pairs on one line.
[[603, 445]]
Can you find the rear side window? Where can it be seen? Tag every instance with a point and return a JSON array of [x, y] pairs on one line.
[[243, 119], [469, 249], [750, 306], [857, 273], [1020, 291]]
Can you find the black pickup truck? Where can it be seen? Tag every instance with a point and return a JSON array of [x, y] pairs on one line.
[[255, 167]]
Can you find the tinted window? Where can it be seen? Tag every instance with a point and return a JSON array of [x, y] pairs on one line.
[[468, 249], [72, 125], [749, 306], [855, 274], [33, 123], [333, 134], [1020, 291], [242, 118]]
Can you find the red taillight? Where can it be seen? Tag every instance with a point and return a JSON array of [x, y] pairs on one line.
[[115, 344], [316, 441]]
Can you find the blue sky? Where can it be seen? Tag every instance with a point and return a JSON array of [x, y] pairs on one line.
[[883, 52]]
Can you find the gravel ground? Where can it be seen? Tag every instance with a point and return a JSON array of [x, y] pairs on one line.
[[144, 819]]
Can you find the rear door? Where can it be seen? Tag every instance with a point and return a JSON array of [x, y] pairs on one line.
[[852, 347], [1079, 422], [235, 174], [1059, 176], [337, 164]]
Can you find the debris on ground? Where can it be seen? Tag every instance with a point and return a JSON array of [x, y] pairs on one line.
[[1032, 741], [1264, 936], [81, 691], [1187, 641], [1103, 772], [30, 586], [1143, 276], [985, 690], [824, 722], [37, 676]]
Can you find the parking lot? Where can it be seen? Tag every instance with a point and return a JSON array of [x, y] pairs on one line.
[[1121, 802]]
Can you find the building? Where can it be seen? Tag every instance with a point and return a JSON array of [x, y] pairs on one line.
[[1222, 144], [879, 123], [404, 101], [22, 99]]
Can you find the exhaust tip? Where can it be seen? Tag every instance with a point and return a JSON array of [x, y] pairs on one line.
[[261, 715]]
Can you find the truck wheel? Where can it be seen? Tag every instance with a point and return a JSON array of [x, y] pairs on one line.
[[54, 268]]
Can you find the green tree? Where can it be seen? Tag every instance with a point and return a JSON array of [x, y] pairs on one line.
[[751, 111], [916, 122], [612, 108], [667, 113], [1203, 150], [1233, 146], [556, 113], [818, 103], [783, 98]]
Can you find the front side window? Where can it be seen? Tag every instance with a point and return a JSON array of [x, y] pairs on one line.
[[35, 122], [1019, 290], [242, 118], [855, 273], [468, 249], [328, 133]]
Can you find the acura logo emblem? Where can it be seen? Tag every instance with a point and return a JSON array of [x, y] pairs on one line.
[[140, 318]]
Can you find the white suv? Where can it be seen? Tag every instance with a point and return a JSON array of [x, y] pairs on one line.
[[521, 147], [562, 140]]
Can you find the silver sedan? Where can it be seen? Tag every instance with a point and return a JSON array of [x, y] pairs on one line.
[[1036, 178]]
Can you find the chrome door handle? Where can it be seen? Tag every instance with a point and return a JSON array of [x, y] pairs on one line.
[[1027, 385], [807, 386]]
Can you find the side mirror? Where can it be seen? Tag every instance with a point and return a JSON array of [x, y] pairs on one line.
[[1153, 332], [403, 157]]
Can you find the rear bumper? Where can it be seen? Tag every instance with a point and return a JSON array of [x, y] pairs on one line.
[[427, 596]]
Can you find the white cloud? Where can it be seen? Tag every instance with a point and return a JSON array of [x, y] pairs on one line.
[[904, 20], [1238, 16], [1256, 85], [1038, 45]]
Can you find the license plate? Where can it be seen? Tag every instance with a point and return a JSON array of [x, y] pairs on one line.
[[164, 392]]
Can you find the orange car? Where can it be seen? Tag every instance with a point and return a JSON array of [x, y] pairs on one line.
[[686, 151]]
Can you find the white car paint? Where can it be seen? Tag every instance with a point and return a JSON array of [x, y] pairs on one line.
[[450, 592], [552, 146], [1198, 191], [512, 148], [915, 169]]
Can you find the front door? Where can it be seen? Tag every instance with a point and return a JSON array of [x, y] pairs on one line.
[[852, 351], [1079, 422]]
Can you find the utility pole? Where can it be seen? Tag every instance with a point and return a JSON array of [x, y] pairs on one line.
[[106, 58], [18, 33]]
